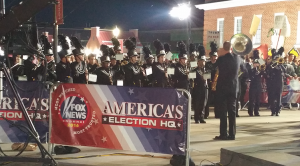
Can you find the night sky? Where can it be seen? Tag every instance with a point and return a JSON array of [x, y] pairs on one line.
[[126, 14]]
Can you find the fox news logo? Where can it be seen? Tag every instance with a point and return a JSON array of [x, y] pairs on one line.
[[74, 108]]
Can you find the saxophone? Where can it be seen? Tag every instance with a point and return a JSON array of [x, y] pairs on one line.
[[214, 83]]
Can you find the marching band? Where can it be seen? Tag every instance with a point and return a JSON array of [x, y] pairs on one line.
[[193, 71]]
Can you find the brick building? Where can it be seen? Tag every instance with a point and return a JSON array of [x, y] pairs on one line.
[[235, 16]]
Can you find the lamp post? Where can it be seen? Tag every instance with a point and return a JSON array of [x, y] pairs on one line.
[[183, 12]]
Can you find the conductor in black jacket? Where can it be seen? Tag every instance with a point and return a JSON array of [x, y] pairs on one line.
[[227, 89]]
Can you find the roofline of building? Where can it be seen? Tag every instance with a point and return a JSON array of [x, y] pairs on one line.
[[233, 3], [170, 30]]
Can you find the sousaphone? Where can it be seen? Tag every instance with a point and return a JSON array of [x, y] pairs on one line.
[[241, 44]]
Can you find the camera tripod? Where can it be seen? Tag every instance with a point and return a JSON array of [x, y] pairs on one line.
[[46, 157]]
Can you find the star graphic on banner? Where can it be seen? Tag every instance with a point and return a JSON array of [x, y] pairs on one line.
[[44, 116], [160, 137], [96, 121], [104, 119], [148, 129], [141, 96], [179, 95], [14, 121], [130, 91], [82, 99], [178, 124], [104, 139]]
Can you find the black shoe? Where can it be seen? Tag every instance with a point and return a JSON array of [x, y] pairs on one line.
[[221, 138], [231, 137], [202, 121], [250, 114], [197, 122], [237, 115], [277, 114], [272, 114], [256, 115]]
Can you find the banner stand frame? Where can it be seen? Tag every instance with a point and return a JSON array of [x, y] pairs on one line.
[[188, 126], [51, 145]]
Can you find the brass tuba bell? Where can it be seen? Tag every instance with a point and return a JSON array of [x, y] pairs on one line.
[[241, 44]]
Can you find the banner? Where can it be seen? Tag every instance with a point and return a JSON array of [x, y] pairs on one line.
[[36, 98], [123, 118], [290, 93], [212, 36], [59, 12]]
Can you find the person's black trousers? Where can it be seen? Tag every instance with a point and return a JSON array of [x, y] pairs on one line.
[[227, 104], [243, 92], [254, 100], [199, 97]]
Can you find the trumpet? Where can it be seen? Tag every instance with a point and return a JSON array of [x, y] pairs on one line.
[[279, 61]]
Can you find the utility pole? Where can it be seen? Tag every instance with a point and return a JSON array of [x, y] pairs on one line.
[[2, 13], [55, 35]]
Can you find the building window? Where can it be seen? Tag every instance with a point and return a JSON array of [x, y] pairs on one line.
[[257, 37], [237, 25], [298, 31], [275, 42], [220, 28]]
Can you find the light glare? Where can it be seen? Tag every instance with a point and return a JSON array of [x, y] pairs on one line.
[[182, 11], [116, 32]]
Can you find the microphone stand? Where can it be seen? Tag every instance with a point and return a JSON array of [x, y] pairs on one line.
[[31, 129]]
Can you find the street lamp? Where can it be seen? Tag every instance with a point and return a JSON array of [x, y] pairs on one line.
[[116, 32], [183, 12]]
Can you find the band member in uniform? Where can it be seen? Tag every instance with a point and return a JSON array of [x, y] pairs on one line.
[[147, 82], [169, 54], [211, 67], [242, 85], [226, 94], [78, 68], [160, 76], [181, 80], [17, 69], [92, 66], [51, 74], [105, 73], [132, 71], [193, 55], [199, 91], [255, 89], [63, 68], [276, 74]]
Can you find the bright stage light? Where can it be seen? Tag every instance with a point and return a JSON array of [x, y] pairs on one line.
[[116, 32], [182, 11]]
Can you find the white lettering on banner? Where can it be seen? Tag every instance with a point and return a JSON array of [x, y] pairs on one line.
[[157, 123], [139, 109], [33, 103]]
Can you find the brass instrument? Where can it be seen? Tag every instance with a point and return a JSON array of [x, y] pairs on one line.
[[214, 83], [279, 61], [241, 45], [262, 67]]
